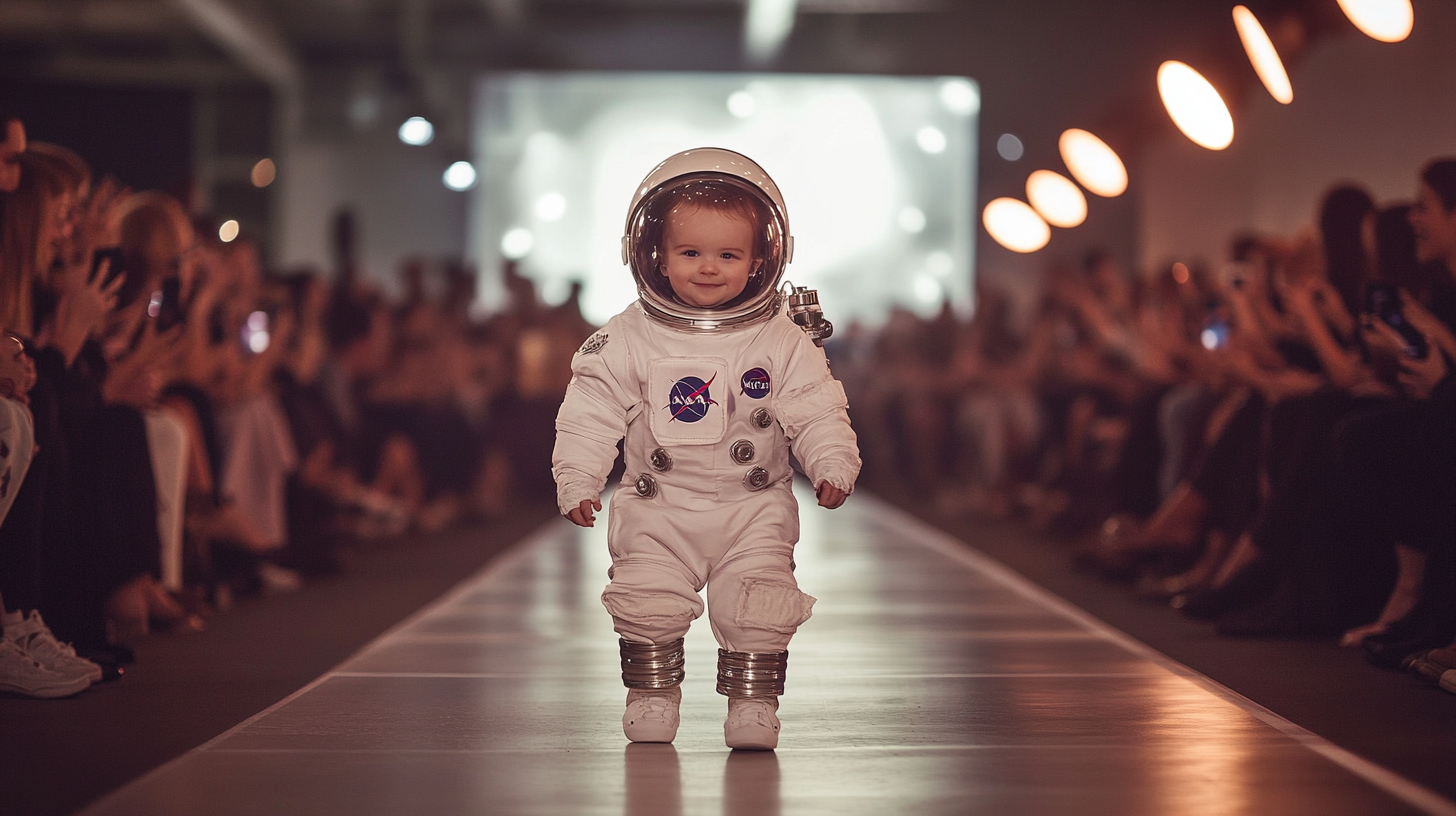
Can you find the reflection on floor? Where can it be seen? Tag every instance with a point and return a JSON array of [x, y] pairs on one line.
[[930, 680]]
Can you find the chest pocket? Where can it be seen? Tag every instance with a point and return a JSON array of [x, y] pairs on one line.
[[688, 397]]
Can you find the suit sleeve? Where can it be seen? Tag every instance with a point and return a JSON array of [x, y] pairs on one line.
[[601, 398], [813, 410]]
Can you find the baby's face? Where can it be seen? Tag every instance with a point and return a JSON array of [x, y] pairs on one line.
[[708, 255]]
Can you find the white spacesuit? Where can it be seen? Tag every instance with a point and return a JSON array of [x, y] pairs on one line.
[[710, 401]]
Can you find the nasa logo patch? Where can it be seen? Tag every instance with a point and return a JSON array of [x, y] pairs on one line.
[[756, 383], [594, 344], [689, 399]]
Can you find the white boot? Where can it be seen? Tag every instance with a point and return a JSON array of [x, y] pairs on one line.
[[752, 723], [651, 714]]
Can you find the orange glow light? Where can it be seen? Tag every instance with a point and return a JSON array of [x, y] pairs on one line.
[[1056, 199], [263, 173], [1195, 106], [1384, 20], [1180, 272], [1015, 225], [1093, 164], [1263, 56]]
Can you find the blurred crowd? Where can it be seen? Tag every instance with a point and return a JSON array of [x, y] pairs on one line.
[[1269, 445], [180, 427]]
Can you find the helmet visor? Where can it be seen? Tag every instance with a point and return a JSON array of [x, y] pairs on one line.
[[647, 226]]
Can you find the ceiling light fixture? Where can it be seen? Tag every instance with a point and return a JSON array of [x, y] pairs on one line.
[[1195, 106], [1263, 56], [1093, 164], [1056, 199], [1015, 225], [1384, 20]]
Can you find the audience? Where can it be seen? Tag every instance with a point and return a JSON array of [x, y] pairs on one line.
[[179, 427], [1270, 447]]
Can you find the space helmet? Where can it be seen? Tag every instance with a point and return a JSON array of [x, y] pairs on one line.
[[708, 174]]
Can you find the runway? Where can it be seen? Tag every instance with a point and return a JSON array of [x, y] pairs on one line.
[[930, 680]]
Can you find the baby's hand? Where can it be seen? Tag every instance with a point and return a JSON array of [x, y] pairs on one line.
[[582, 516], [829, 495]]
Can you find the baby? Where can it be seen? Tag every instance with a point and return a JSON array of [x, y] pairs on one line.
[[712, 386]]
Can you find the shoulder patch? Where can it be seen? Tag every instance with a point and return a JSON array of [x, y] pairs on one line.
[[594, 344]]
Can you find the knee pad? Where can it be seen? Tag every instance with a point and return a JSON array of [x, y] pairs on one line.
[[652, 666], [752, 674], [653, 608], [773, 605]]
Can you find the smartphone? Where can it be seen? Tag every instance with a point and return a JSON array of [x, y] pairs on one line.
[[1217, 326], [166, 304], [254, 334], [116, 269], [1383, 301], [1215, 334]]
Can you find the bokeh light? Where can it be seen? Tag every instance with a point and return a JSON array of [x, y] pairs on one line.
[[1009, 147], [1181, 273], [1056, 199], [227, 232], [1195, 106], [417, 131], [911, 219], [1263, 56], [550, 207], [460, 176], [1093, 164], [517, 243], [264, 172], [741, 104], [931, 139], [960, 97], [1384, 20], [1015, 225]]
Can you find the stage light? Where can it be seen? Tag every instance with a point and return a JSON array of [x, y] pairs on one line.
[[1093, 164], [517, 243], [1384, 20], [1009, 147], [911, 219], [741, 104], [931, 139], [1263, 56], [1195, 106], [417, 131], [1056, 199], [263, 173], [960, 97], [460, 176], [1015, 225], [228, 231]]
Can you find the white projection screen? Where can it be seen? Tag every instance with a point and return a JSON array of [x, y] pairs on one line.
[[878, 174]]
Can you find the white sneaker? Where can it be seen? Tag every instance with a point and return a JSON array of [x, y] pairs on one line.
[[651, 714], [32, 637], [752, 723], [20, 674]]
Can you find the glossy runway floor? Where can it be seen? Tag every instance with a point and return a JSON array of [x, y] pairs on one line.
[[929, 681]]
